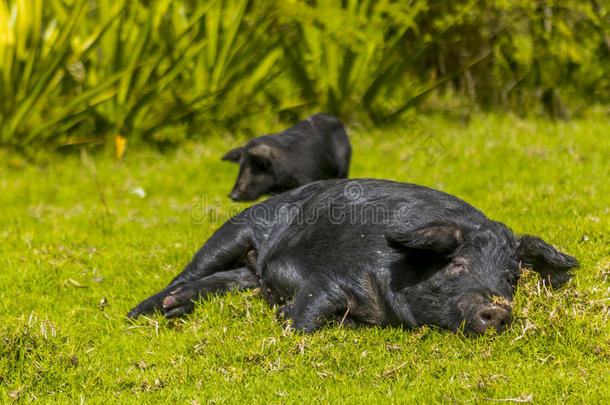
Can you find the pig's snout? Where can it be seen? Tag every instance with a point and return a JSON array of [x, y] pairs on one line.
[[493, 316], [235, 195], [243, 193], [240, 196], [239, 192], [480, 314]]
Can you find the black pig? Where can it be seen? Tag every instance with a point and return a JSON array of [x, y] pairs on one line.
[[316, 148], [367, 252]]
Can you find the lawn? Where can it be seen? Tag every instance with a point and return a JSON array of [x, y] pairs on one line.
[[84, 239]]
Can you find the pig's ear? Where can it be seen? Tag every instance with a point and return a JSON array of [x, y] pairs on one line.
[[234, 155], [552, 265], [442, 238]]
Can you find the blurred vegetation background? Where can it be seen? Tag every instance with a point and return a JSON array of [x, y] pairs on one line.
[[78, 72]]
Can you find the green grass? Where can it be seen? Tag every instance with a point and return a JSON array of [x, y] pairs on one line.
[[72, 234]]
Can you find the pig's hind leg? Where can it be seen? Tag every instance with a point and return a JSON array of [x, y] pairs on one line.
[[315, 305], [229, 252]]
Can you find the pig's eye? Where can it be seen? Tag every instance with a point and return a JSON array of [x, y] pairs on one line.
[[261, 165], [456, 267], [511, 280]]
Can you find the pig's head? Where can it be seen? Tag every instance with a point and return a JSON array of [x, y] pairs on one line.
[[462, 276], [257, 171]]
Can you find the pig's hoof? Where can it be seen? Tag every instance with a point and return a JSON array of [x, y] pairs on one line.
[[148, 306], [180, 310], [169, 302], [179, 303]]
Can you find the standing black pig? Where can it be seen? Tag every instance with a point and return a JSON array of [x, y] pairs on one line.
[[316, 148], [370, 252]]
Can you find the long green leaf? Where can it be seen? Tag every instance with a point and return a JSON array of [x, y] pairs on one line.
[[431, 86], [54, 63], [82, 101], [228, 41]]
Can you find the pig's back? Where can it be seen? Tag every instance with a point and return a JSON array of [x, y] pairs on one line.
[[349, 218]]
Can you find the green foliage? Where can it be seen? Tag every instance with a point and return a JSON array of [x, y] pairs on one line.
[[74, 71], [82, 247], [125, 67], [382, 57], [35, 55], [182, 57], [337, 51], [541, 52]]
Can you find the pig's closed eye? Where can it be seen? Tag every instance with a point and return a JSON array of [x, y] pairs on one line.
[[512, 280], [261, 165], [456, 268]]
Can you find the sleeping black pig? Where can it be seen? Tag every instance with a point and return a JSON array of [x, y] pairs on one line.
[[367, 252], [316, 148]]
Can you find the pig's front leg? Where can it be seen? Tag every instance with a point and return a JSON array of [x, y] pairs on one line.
[[226, 249], [182, 299], [149, 305]]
